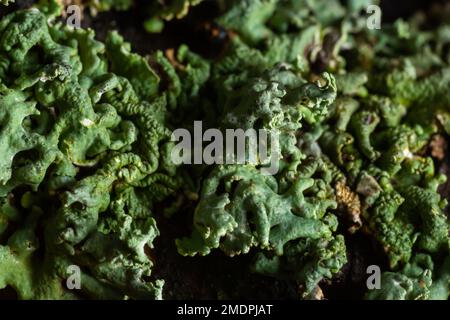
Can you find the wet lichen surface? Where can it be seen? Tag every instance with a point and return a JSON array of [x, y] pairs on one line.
[[364, 155]]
